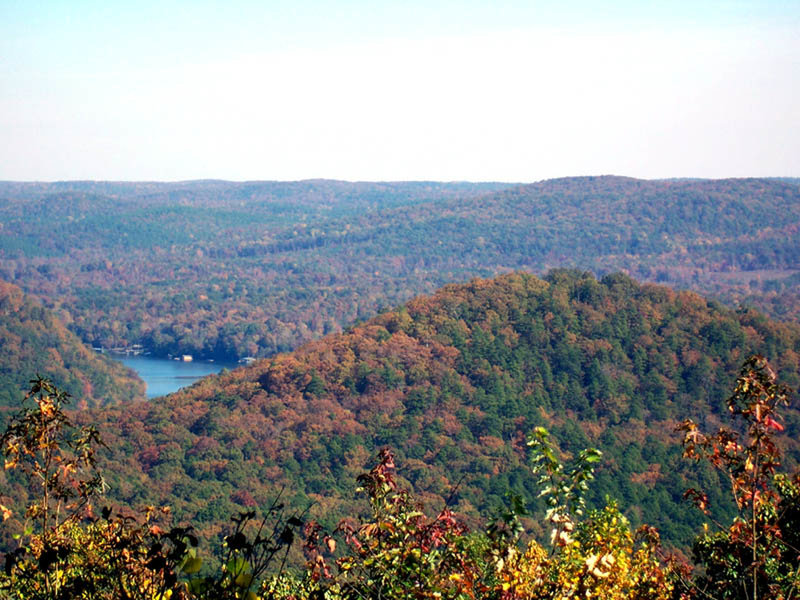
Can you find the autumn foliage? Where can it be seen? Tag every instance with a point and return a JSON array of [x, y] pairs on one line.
[[397, 549], [225, 270], [758, 554]]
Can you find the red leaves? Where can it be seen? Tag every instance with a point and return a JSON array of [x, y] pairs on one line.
[[699, 499], [315, 562], [399, 548], [750, 458], [738, 555], [773, 424]]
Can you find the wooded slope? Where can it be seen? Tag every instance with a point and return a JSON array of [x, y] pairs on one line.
[[33, 341], [454, 382]]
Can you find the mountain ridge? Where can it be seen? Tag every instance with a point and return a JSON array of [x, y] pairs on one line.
[[231, 270], [454, 382]]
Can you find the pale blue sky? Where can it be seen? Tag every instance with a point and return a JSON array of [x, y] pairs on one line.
[[514, 91]]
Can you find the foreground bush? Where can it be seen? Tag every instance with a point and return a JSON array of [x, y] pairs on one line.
[[67, 552], [398, 551], [401, 553], [591, 556]]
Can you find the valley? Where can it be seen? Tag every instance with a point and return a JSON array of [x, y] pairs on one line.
[[228, 270], [399, 300], [446, 322]]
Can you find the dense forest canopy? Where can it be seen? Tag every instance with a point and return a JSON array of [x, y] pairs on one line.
[[227, 270], [455, 382]]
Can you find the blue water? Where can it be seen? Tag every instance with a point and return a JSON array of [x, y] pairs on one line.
[[163, 376]]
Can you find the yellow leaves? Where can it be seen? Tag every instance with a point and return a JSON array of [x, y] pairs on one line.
[[46, 406], [370, 529], [6, 512], [243, 579], [604, 561], [732, 447], [591, 561], [563, 539], [560, 534], [193, 564], [607, 561]]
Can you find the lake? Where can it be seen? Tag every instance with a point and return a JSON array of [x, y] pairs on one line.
[[163, 376]]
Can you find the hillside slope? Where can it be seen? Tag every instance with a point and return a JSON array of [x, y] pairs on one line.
[[33, 341], [454, 382]]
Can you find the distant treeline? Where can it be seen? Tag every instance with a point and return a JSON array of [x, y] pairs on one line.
[[227, 270]]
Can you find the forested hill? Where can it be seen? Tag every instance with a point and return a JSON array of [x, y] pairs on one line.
[[225, 270], [33, 341], [454, 382]]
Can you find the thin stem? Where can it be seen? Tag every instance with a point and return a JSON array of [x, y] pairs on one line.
[[753, 517]]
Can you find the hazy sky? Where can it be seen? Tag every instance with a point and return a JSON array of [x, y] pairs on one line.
[[374, 90]]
